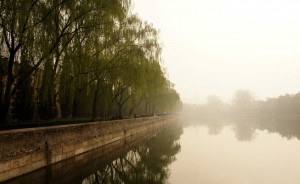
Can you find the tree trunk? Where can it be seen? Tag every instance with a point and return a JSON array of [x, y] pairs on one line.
[[120, 111], [95, 103], [7, 94], [75, 104]]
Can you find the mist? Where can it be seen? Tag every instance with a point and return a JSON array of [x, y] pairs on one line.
[[150, 91], [215, 47], [244, 103]]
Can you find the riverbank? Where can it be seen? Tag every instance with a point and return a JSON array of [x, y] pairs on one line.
[[26, 150]]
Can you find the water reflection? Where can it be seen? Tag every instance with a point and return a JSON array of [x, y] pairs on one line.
[[138, 159], [210, 150], [245, 127], [147, 163], [244, 130], [239, 150]]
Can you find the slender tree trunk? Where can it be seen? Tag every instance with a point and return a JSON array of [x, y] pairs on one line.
[[134, 106], [7, 94], [75, 104], [94, 110], [120, 111], [146, 107]]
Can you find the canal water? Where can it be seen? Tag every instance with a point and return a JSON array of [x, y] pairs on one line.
[[211, 151], [239, 151]]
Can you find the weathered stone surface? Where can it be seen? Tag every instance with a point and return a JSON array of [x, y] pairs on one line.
[[25, 150]]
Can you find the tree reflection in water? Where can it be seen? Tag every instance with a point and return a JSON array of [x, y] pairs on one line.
[[147, 163], [245, 127]]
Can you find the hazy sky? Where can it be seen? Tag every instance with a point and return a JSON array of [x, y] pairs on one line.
[[214, 47]]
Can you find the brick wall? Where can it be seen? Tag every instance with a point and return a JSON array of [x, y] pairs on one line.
[[25, 150]]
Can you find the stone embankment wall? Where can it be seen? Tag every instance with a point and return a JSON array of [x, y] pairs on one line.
[[25, 150]]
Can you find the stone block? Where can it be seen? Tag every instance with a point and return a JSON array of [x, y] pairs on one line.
[[38, 156], [58, 158], [79, 151], [71, 154], [14, 172], [25, 160], [4, 176], [63, 156], [57, 151], [26, 168], [5, 166], [69, 148], [38, 164], [15, 163]]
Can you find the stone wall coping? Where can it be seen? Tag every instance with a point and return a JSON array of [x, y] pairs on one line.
[[24, 130]]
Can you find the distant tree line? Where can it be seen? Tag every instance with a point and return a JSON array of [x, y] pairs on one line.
[[244, 103], [76, 59], [288, 104]]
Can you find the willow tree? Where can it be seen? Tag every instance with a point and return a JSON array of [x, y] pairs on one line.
[[85, 62], [85, 58], [139, 46], [76, 21], [16, 21], [19, 19], [50, 22]]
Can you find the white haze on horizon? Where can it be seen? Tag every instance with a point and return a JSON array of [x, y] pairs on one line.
[[214, 47]]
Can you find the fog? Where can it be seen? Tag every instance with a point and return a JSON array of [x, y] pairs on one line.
[[244, 141], [243, 150], [215, 47]]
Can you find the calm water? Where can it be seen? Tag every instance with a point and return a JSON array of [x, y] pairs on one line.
[[237, 151], [242, 151]]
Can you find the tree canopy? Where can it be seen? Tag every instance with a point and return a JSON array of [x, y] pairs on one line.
[[66, 59]]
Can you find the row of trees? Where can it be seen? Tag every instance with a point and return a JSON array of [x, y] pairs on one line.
[[92, 58], [288, 104], [245, 103]]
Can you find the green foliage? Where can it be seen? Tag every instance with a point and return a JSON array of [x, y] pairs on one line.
[[90, 58]]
